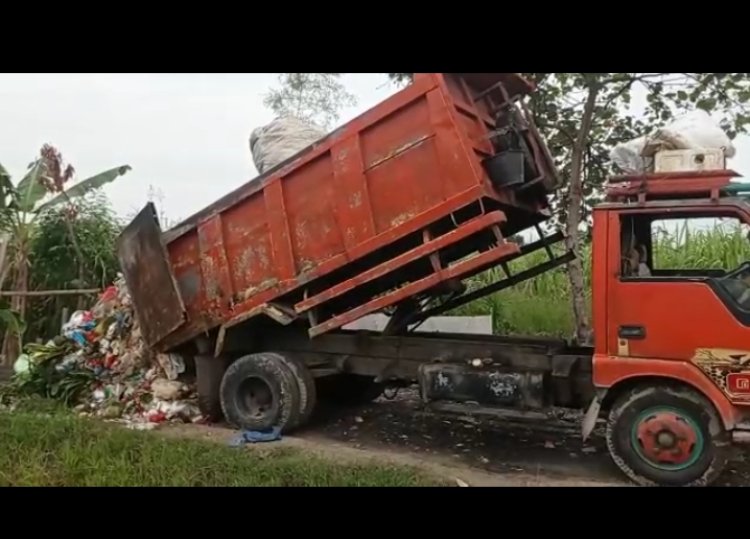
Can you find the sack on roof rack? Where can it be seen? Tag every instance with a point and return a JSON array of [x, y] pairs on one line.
[[693, 130]]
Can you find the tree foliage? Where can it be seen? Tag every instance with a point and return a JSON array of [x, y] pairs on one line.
[[21, 205], [315, 97], [53, 258], [558, 107]]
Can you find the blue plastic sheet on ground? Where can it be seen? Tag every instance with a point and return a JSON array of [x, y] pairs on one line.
[[254, 436]]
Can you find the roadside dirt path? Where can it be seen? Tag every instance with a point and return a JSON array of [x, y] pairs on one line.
[[476, 451]]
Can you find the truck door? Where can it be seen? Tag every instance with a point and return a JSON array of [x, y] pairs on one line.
[[676, 288]]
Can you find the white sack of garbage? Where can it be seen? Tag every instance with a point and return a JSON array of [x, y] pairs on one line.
[[693, 130], [281, 139]]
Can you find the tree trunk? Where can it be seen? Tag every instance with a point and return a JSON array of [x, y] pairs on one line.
[[4, 262], [4, 270], [76, 248], [575, 206], [12, 342]]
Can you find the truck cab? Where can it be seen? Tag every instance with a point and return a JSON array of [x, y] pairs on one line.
[[672, 350]]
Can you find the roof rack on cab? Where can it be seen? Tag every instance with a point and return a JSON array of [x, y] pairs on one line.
[[712, 184]]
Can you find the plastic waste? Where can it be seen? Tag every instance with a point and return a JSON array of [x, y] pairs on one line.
[[68, 363], [167, 390], [22, 365], [172, 364], [142, 426], [130, 384]]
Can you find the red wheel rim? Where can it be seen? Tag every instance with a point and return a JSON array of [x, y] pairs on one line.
[[667, 439]]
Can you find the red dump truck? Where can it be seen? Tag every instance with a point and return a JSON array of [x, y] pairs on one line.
[[393, 212]]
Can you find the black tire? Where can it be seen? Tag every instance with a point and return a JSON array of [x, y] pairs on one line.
[[646, 421], [209, 371], [259, 392], [305, 385], [348, 389]]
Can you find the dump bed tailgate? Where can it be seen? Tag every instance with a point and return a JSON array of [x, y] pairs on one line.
[[152, 286]]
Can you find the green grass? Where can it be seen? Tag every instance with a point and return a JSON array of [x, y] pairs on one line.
[[58, 449], [542, 305]]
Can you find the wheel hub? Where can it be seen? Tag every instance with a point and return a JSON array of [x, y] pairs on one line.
[[256, 397], [667, 439]]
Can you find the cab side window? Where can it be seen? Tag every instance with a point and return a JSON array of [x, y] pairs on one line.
[[699, 246], [681, 246]]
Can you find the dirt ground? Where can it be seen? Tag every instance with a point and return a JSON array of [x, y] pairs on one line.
[[468, 450]]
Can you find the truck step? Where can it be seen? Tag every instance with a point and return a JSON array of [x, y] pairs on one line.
[[503, 413], [536, 420]]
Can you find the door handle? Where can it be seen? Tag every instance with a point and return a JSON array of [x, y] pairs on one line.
[[631, 332]]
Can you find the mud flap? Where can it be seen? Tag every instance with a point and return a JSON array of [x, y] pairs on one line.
[[592, 414], [148, 274]]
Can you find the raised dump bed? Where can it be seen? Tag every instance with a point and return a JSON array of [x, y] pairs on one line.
[[395, 207]]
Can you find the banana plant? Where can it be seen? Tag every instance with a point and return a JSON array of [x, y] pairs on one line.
[[44, 186]]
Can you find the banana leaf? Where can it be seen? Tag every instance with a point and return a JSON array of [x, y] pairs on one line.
[[12, 320], [30, 189], [86, 186]]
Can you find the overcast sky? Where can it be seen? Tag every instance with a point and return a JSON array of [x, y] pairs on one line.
[[184, 134]]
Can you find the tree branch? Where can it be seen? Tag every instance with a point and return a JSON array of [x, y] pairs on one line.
[[643, 77], [588, 118]]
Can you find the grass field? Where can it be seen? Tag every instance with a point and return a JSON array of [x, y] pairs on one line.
[[63, 450], [542, 306]]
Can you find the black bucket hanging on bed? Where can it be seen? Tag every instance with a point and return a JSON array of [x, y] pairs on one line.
[[506, 168]]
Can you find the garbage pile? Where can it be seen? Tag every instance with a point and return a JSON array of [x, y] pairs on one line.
[[101, 366]]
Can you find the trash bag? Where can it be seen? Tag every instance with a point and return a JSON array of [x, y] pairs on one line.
[[693, 130], [628, 156], [281, 139]]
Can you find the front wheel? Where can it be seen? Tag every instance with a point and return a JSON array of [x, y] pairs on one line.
[[669, 436]]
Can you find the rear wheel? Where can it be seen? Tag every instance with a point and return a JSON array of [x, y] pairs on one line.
[[259, 392], [670, 436], [306, 386]]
